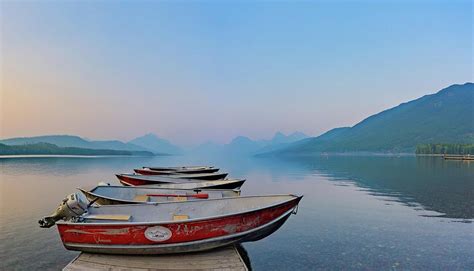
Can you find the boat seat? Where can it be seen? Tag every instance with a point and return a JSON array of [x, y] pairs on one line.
[[180, 217], [110, 217], [143, 198]]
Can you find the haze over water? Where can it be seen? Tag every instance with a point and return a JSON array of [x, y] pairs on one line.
[[358, 213]]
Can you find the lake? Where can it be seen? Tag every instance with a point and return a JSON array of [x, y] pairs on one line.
[[358, 213]]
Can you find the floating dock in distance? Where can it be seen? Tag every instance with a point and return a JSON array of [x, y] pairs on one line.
[[227, 258], [459, 157]]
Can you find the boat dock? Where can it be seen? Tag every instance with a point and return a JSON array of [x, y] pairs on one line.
[[227, 258]]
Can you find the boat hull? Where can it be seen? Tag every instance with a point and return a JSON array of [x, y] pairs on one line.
[[149, 180], [194, 176], [176, 237], [235, 184], [184, 247], [137, 181]]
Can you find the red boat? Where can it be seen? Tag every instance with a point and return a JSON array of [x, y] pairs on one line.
[[155, 171], [176, 227], [219, 184], [135, 179], [174, 178]]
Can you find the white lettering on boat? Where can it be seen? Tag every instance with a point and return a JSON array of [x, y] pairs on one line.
[[123, 231], [158, 234]]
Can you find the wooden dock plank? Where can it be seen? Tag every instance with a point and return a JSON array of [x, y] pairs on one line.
[[227, 258]]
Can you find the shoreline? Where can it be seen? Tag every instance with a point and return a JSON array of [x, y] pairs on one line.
[[67, 156]]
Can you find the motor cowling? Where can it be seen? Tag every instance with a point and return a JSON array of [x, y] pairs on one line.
[[74, 205]]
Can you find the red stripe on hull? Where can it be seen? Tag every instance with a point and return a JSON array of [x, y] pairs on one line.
[[132, 181], [129, 234]]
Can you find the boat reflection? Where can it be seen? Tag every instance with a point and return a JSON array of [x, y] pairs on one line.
[[244, 255]]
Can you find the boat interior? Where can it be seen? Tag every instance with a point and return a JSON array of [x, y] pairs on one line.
[[146, 194], [172, 211], [180, 168], [189, 185], [194, 175]]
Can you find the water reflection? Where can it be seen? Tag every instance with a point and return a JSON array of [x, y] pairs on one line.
[[357, 213], [245, 256], [431, 183], [63, 166]]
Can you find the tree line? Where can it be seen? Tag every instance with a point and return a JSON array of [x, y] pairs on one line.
[[445, 149], [51, 149]]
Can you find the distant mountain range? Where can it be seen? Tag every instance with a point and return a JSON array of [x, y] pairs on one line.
[[242, 145], [73, 141], [444, 117], [148, 143], [153, 143]]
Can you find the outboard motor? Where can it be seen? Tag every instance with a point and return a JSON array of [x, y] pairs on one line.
[[74, 205]]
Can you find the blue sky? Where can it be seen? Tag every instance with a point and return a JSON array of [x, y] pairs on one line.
[[195, 71]]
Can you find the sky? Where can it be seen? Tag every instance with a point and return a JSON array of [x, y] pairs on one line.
[[195, 71]]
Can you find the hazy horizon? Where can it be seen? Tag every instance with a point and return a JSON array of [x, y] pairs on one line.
[[193, 72], [170, 140]]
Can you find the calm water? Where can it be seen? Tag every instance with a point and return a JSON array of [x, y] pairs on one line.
[[358, 213]]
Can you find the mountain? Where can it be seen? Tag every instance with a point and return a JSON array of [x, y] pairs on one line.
[[444, 117], [242, 145], [51, 149], [333, 133], [280, 141], [73, 141], [280, 138], [154, 143], [59, 140], [116, 145], [245, 145]]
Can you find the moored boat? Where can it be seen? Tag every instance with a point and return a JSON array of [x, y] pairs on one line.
[[150, 171], [109, 195], [217, 184], [182, 170], [179, 168], [176, 227], [167, 178], [137, 179]]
